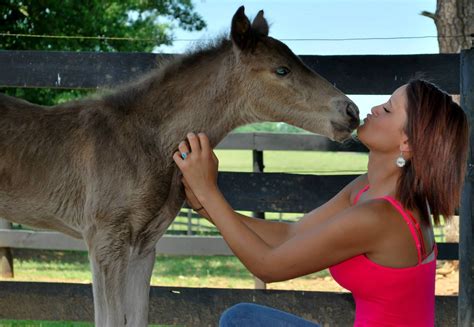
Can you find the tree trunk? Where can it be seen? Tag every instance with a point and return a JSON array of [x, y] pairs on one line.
[[454, 20]]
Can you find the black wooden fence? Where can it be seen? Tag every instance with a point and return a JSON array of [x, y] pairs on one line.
[[288, 193]]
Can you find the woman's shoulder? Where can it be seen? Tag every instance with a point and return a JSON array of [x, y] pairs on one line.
[[374, 216], [380, 212]]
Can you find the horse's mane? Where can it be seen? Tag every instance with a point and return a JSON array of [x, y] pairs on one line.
[[201, 50], [125, 95]]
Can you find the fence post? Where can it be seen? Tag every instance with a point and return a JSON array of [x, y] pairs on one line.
[[258, 166], [466, 224], [190, 222], [6, 257]]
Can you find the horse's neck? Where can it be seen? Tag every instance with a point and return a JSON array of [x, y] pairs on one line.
[[197, 100]]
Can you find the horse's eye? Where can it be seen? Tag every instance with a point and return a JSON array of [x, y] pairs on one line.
[[282, 71]]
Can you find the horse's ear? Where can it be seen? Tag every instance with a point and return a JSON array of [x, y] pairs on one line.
[[260, 24], [241, 29]]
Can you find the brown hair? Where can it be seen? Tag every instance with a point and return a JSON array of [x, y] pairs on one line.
[[438, 133]]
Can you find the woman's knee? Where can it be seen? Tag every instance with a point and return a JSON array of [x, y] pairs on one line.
[[237, 314]]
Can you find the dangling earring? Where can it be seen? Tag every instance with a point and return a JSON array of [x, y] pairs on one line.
[[400, 161]]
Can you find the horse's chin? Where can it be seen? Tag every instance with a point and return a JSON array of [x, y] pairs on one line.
[[340, 132], [341, 137]]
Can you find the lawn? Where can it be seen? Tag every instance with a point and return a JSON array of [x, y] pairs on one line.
[[298, 162]]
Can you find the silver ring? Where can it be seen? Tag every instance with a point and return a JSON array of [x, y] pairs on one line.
[[184, 155]]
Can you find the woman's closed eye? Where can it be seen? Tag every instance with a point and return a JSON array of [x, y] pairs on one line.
[[386, 110]]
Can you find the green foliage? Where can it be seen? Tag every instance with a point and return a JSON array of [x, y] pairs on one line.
[[147, 20], [151, 23]]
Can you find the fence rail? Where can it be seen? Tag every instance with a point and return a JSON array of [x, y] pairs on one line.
[[168, 244], [366, 74]]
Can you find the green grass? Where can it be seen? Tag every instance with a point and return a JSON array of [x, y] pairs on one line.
[[298, 162], [186, 271]]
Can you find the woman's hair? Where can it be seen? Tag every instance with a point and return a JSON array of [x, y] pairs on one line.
[[438, 133]]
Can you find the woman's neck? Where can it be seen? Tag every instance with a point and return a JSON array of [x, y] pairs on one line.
[[383, 174]]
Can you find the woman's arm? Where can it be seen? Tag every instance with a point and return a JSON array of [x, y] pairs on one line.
[[351, 232], [274, 232], [354, 231], [338, 203]]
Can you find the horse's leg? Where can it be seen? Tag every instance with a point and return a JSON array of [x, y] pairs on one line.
[[140, 268], [98, 291], [109, 253], [139, 272], [98, 283], [142, 255]]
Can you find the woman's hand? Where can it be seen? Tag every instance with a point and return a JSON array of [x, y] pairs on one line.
[[191, 198], [199, 166], [194, 203]]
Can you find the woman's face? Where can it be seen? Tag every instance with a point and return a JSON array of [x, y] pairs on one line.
[[383, 127]]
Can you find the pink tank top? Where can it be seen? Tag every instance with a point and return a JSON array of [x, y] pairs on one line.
[[386, 296]]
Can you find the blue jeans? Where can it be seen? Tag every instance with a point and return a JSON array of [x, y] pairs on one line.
[[254, 315]]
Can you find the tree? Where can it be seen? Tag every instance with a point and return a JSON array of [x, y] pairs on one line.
[[149, 22], [454, 20]]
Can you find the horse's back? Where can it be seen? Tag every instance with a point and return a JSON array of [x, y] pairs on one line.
[[32, 144], [11, 103]]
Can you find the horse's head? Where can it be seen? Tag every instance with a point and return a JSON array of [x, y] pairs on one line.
[[279, 87]]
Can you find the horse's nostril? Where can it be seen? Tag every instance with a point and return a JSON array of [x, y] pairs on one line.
[[352, 111]]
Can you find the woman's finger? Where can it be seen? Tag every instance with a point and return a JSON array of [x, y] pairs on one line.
[[204, 140], [194, 143], [178, 159], [183, 148]]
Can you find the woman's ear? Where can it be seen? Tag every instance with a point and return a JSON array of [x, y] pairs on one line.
[[404, 145]]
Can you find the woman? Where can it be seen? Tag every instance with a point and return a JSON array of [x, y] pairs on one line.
[[375, 235]]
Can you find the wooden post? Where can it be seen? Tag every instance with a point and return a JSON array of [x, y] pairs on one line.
[[190, 222], [466, 224], [258, 166], [6, 257]]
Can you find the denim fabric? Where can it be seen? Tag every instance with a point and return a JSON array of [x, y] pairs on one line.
[[254, 315]]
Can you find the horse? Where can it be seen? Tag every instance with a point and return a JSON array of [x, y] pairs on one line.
[[101, 168]]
